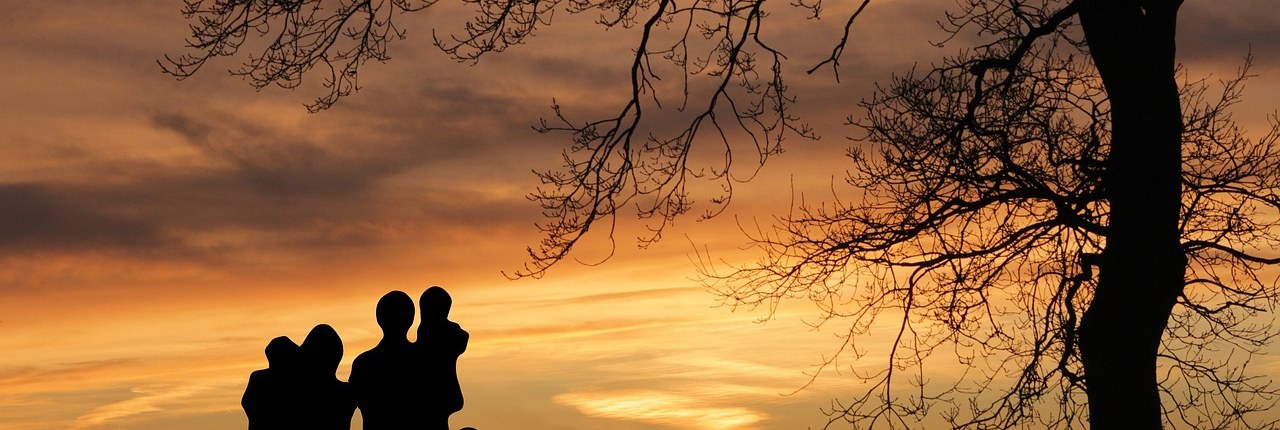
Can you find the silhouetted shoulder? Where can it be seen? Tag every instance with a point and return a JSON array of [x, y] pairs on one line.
[[458, 337], [258, 375], [253, 390], [364, 362]]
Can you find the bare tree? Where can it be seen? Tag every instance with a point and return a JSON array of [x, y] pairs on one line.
[[1002, 180], [985, 202], [612, 162]]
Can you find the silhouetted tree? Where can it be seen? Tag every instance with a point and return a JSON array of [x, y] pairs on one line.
[[991, 188], [1002, 179], [982, 216], [612, 162]]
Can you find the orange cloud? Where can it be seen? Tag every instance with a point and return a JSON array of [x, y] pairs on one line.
[[662, 408]]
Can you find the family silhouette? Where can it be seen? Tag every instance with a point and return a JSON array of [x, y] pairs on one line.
[[397, 384]]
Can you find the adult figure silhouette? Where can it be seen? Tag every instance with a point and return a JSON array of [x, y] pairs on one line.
[[438, 346], [327, 403], [270, 398], [380, 377]]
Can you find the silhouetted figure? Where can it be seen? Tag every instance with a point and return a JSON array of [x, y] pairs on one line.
[[381, 377], [269, 399], [327, 403], [439, 344]]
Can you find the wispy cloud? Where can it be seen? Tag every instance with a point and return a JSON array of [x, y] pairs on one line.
[[149, 399], [38, 216], [666, 409], [1221, 32]]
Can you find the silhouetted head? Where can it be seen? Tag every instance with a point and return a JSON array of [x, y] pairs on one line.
[[323, 348], [395, 313], [281, 352], [435, 303]]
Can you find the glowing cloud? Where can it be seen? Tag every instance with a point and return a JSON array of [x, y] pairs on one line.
[[661, 408], [149, 400]]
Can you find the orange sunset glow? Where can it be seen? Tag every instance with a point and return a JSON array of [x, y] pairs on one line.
[[155, 234]]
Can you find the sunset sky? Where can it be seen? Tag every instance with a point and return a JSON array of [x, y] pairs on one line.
[[155, 234]]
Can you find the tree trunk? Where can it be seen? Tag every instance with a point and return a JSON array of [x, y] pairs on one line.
[[1142, 266]]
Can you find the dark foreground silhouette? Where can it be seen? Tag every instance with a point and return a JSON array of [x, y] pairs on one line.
[[439, 344], [397, 384], [329, 399], [298, 389], [380, 375], [270, 395]]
